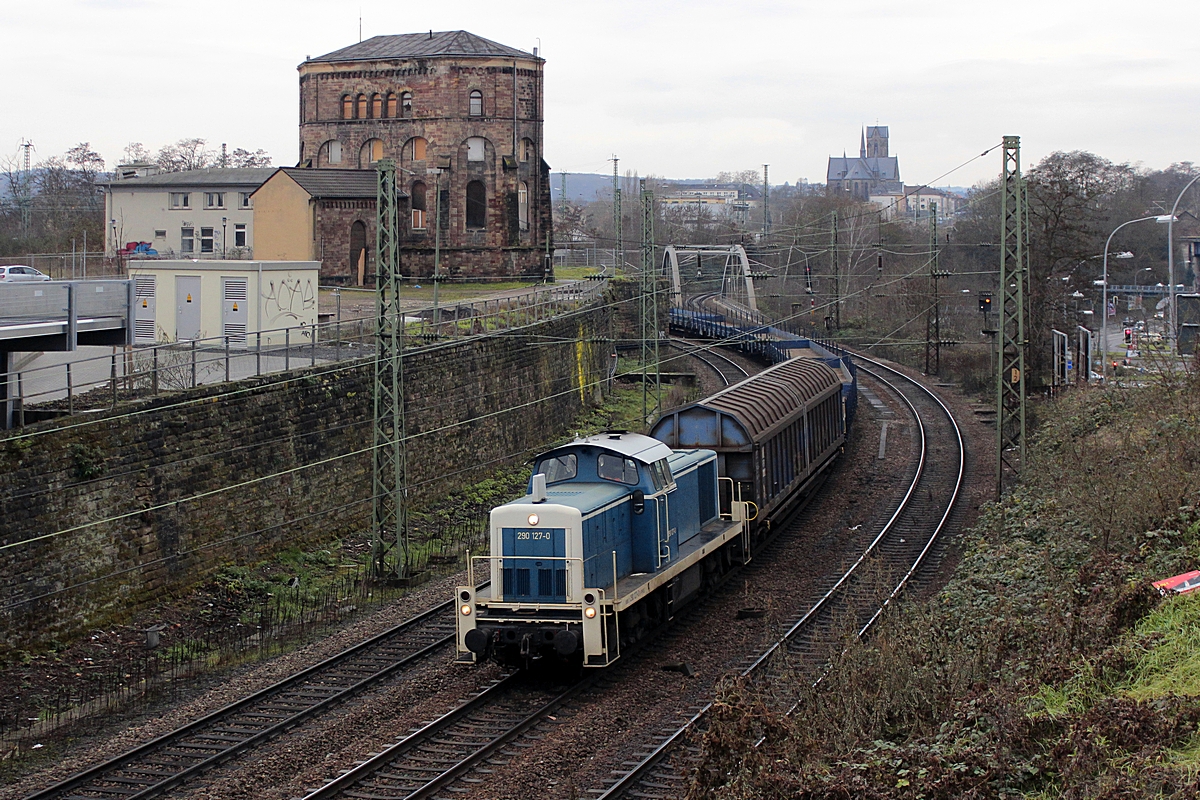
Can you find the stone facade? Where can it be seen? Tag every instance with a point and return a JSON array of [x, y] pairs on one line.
[[455, 112], [153, 503]]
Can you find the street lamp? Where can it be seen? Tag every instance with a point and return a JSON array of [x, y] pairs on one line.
[[1104, 305], [224, 220], [1170, 220]]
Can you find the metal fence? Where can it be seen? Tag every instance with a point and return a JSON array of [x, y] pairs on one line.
[[75, 382], [72, 266]]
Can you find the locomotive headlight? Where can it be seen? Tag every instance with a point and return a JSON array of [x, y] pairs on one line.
[[589, 612], [533, 519], [465, 610]]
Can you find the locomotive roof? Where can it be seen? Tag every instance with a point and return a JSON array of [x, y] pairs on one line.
[[634, 445], [771, 397]]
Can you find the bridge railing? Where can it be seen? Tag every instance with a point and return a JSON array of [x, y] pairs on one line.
[[74, 382]]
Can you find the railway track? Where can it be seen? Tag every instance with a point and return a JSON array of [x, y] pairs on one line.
[[727, 370], [904, 542], [435, 755], [170, 760]]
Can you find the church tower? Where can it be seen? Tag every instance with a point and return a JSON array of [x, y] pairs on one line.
[[876, 145]]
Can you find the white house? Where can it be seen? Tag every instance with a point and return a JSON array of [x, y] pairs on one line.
[[202, 213]]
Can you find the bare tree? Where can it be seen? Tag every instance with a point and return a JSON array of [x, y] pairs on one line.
[[244, 158], [185, 154]]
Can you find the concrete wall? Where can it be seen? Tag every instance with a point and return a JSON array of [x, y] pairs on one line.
[[135, 506]]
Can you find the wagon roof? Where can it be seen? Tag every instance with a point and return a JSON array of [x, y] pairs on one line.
[[769, 398]]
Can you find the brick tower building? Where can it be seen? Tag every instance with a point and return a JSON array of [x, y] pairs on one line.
[[456, 112]]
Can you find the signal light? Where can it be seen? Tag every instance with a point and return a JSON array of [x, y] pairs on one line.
[[589, 612]]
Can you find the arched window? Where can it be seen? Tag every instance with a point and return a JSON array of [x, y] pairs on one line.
[[476, 108], [376, 107], [414, 149], [476, 205], [406, 104], [417, 196], [331, 152], [523, 205], [347, 107], [476, 148], [372, 151], [361, 110], [358, 251], [528, 151], [390, 111]]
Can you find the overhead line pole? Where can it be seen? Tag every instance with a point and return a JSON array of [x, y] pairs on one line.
[[649, 306], [1011, 339], [618, 245], [389, 503]]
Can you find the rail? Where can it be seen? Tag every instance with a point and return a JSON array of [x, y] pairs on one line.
[[641, 770]]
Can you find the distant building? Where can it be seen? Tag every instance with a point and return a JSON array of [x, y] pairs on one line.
[[325, 215], [873, 173], [920, 201], [200, 213], [455, 111]]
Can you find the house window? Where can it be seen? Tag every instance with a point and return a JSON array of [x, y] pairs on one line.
[[527, 150], [390, 111], [160, 234], [333, 152], [476, 205], [406, 104], [376, 106], [206, 240], [360, 111], [372, 151], [214, 199], [244, 200], [418, 206], [523, 206], [347, 107], [239, 235], [180, 200], [187, 240], [475, 148], [476, 103], [415, 149]]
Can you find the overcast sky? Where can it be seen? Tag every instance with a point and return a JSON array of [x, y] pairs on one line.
[[675, 89]]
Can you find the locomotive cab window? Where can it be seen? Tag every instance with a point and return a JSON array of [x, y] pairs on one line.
[[562, 468], [616, 468], [660, 471]]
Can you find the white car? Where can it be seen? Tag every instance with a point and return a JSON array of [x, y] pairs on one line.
[[16, 272]]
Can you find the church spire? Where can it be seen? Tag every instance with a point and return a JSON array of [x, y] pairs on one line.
[[862, 148]]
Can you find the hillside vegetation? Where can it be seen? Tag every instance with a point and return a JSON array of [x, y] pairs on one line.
[[1046, 668]]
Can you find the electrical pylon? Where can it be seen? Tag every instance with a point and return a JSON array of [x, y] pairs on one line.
[[1011, 340], [649, 306], [389, 502]]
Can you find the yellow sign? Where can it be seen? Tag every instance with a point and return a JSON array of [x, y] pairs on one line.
[[235, 306], [143, 304], [189, 298], [1016, 375]]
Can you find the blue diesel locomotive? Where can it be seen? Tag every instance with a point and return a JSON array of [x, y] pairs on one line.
[[619, 530]]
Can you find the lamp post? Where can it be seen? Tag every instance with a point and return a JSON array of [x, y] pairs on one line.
[[224, 222], [1104, 305], [1170, 220]]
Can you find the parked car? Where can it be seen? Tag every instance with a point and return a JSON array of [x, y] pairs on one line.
[[16, 272], [1180, 584]]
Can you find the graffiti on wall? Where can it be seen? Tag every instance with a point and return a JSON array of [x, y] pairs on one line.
[[288, 301]]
